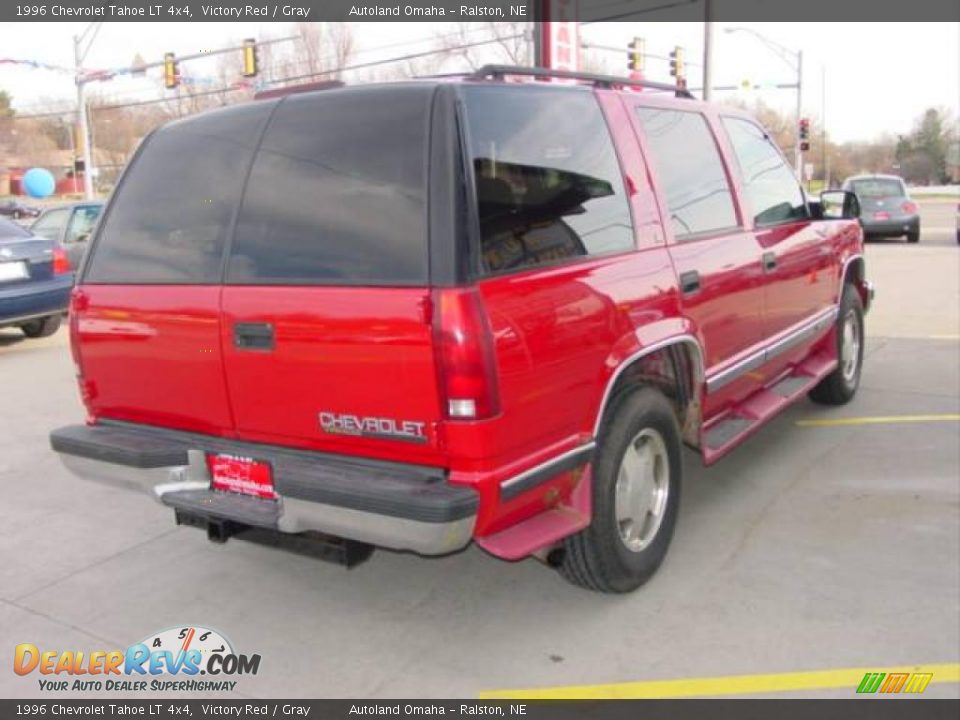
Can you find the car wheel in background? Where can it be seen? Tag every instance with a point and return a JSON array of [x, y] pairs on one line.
[[913, 236], [841, 385], [636, 493], [44, 327]]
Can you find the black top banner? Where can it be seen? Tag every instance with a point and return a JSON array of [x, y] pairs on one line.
[[488, 10], [892, 709]]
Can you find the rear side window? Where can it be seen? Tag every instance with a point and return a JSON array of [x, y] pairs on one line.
[[337, 193], [169, 219], [549, 186], [878, 187], [769, 184], [689, 170]]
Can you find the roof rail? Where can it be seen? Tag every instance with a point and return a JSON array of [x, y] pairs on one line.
[[606, 81], [297, 89]]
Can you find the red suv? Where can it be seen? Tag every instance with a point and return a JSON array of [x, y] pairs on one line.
[[486, 309]]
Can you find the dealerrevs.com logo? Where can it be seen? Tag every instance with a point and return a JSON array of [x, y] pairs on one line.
[[170, 660]]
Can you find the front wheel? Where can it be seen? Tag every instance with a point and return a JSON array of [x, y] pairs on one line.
[[44, 327], [636, 493], [841, 385]]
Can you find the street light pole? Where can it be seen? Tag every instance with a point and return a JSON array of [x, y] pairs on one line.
[[707, 51]]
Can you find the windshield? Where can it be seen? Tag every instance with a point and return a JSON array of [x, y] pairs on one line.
[[878, 187]]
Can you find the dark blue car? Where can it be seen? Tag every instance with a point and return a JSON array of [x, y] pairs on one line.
[[35, 281]]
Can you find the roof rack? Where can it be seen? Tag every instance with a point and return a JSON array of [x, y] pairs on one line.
[[606, 81]]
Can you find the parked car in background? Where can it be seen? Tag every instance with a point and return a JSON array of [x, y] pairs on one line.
[[886, 209], [70, 225], [35, 281], [493, 313], [17, 210]]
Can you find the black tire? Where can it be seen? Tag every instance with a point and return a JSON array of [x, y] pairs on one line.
[[44, 327], [839, 387], [913, 236], [597, 558]]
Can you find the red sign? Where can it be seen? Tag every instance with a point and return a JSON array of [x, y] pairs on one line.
[[561, 36]]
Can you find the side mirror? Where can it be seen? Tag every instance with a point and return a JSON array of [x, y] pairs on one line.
[[839, 205]]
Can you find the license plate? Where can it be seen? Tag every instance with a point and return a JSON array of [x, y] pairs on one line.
[[13, 271], [233, 473]]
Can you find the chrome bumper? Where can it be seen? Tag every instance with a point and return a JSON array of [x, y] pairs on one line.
[[441, 524]]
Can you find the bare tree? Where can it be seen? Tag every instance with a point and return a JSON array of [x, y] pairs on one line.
[[509, 43]]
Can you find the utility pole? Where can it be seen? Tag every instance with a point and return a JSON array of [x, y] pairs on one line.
[[824, 156], [83, 119], [707, 51], [798, 154]]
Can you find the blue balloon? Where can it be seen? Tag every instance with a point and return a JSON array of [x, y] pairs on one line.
[[39, 182]]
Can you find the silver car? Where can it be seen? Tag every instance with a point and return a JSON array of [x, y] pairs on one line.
[[886, 209]]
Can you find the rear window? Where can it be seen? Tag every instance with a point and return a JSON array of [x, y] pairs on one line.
[[337, 193], [169, 219], [877, 187], [548, 183]]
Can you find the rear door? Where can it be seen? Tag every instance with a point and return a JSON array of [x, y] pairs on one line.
[[717, 261], [326, 333], [146, 317]]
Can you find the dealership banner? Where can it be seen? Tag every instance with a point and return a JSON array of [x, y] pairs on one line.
[[487, 10]]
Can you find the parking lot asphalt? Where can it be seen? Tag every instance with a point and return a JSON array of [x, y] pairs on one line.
[[816, 546]]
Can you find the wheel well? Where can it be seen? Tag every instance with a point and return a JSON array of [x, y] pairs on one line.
[[677, 371], [854, 272]]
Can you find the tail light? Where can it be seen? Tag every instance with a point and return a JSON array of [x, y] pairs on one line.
[[909, 208], [61, 264], [466, 361]]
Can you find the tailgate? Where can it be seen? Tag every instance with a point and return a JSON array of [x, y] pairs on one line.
[[347, 370]]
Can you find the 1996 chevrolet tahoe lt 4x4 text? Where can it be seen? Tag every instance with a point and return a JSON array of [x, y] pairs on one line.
[[487, 309]]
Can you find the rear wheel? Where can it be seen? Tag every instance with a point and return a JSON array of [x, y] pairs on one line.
[[913, 236], [636, 493], [44, 327], [841, 385]]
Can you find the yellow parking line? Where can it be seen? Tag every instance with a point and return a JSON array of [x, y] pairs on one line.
[[879, 420], [732, 685]]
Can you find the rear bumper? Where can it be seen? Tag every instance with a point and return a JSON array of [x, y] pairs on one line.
[[26, 302], [385, 504], [892, 227]]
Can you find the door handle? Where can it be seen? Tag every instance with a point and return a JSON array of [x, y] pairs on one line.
[[253, 336], [690, 282], [769, 262]]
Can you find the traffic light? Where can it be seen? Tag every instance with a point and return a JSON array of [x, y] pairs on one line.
[[635, 55], [171, 71], [804, 134], [677, 68], [250, 60]]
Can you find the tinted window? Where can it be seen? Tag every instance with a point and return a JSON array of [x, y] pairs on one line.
[[50, 224], [548, 183], [337, 193], [170, 217], [769, 184], [689, 170], [878, 187]]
